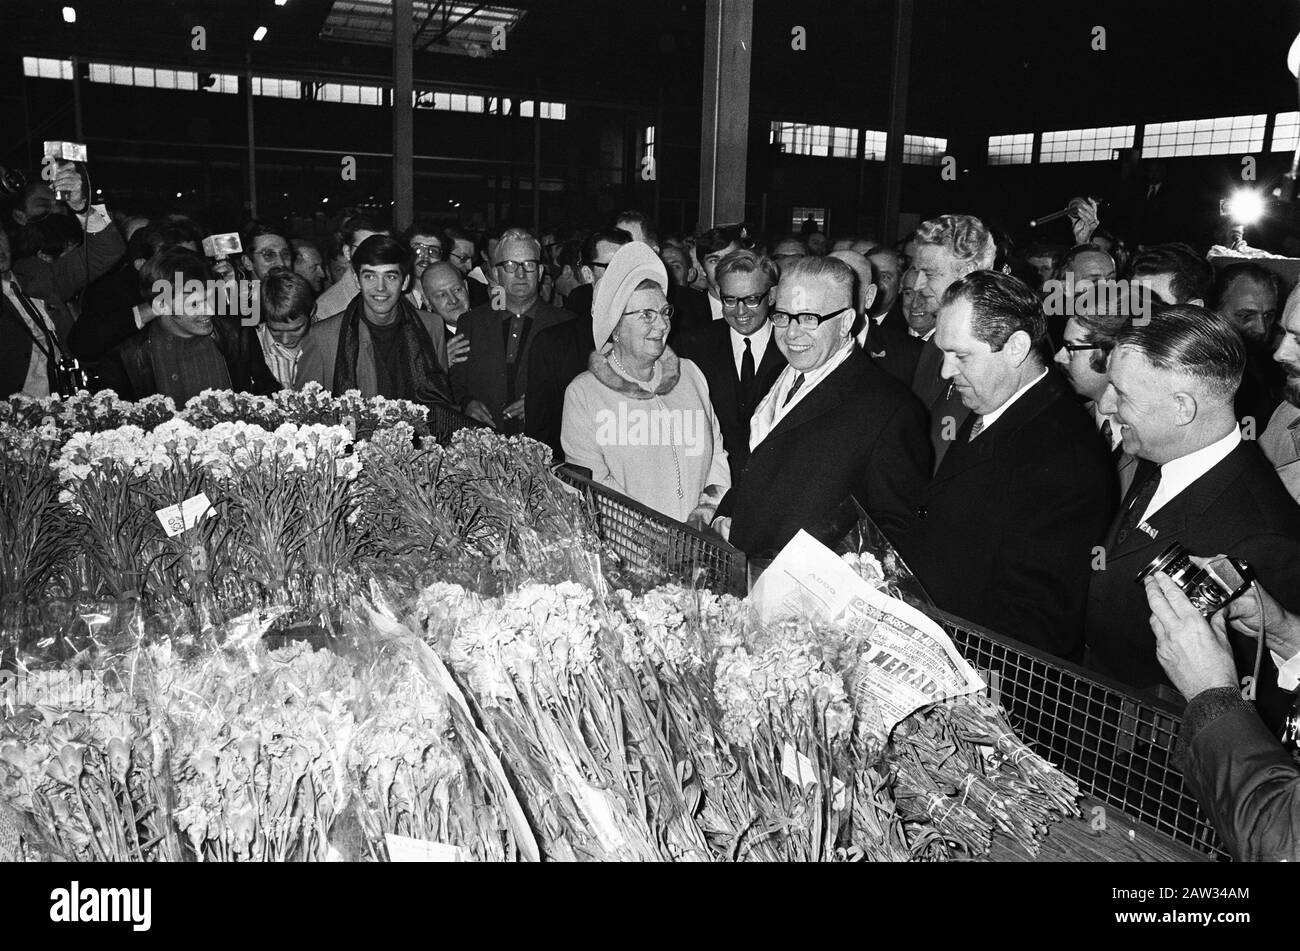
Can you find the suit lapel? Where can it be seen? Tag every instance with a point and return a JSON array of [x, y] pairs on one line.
[[823, 398], [723, 370], [963, 455]]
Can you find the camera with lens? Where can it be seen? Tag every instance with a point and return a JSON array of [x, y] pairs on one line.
[[1209, 588]]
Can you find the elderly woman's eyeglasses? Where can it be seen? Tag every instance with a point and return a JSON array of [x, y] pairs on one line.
[[513, 267], [751, 302], [781, 319], [650, 315]]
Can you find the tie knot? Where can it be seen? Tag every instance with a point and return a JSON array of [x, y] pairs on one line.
[[746, 343]]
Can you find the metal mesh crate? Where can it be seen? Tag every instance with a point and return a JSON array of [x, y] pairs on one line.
[[657, 547], [1116, 745], [444, 420]]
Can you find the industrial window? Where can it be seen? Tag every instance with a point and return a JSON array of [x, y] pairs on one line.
[[550, 110], [279, 88], [797, 138], [39, 67], [649, 151], [1223, 136], [1086, 145], [351, 94], [800, 215], [923, 149], [1286, 131], [1014, 149], [876, 142]]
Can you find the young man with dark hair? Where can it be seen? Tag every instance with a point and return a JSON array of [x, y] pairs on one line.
[[186, 349], [1248, 296], [355, 231], [1174, 274], [597, 250], [380, 344]]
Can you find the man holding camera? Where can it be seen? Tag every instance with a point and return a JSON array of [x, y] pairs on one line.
[[1199, 483], [58, 281]]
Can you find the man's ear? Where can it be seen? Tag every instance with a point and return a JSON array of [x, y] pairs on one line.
[[1185, 408], [245, 260], [20, 216], [347, 253], [406, 283], [1018, 346], [587, 274], [869, 297]]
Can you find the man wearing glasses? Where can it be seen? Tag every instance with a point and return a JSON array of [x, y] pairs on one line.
[[264, 248], [832, 426], [737, 355], [1089, 339], [459, 249], [425, 243], [597, 251], [491, 385]]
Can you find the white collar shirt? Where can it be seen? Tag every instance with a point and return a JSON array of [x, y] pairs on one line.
[[1177, 474], [991, 418], [758, 343]]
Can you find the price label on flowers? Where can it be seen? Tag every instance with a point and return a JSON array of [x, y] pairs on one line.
[[177, 518]]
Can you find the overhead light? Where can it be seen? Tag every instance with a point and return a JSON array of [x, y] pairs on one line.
[[69, 14], [1245, 207], [178, 194], [324, 201], [259, 34], [280, 3]]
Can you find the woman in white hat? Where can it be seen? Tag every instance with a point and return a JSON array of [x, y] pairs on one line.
[[639, 417]]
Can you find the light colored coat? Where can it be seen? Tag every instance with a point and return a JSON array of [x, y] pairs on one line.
[[1281, 444], [662, 449]]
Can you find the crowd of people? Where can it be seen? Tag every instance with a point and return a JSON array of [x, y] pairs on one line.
[[1027, 442]]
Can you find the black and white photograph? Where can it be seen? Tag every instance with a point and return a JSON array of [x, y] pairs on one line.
[[651, 431]]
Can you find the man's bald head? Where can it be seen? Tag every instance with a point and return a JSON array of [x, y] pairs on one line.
[[444, 288]]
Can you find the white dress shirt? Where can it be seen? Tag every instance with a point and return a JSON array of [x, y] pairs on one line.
[[925, 336], [37, 383], [773, 407], [758, 342], [991, 418], [715, 306], [1178, 474]]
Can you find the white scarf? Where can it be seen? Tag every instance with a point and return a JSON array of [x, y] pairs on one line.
[[770, 411]]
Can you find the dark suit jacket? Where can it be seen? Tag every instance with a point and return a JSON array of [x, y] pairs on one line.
[[579, 302], [128, 370], [483, 376], [710, 350], [558, 354], [16, 353], [1238, 508], [60, 281], [1004, 532], [895, 351], [859, 433], [691, 313], [947, 412]]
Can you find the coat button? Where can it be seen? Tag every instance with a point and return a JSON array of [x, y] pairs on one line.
[[921, 511]]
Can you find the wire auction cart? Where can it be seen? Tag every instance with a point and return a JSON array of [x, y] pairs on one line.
[[1116, 744]]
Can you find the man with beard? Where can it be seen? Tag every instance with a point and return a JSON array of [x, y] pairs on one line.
[[380, 344], [1281, 440], [1247, 296]]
